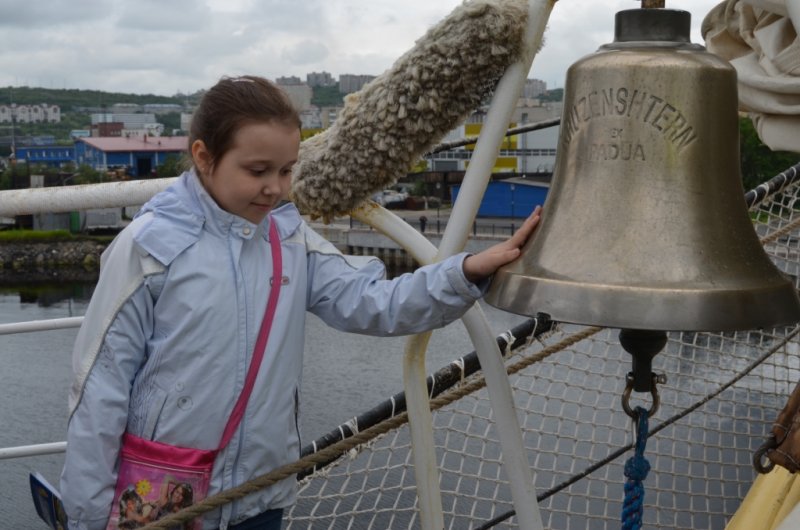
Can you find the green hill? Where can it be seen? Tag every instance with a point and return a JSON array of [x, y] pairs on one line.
[[70, 98], [76, 106]]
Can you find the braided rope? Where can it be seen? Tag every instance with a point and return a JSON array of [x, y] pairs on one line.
[[781, 232], [636, 469], [226, 497]]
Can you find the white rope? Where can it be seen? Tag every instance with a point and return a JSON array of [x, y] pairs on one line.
[[459, 363], [509, 338]]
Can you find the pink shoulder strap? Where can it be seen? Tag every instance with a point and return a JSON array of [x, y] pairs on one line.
[[263, 335]]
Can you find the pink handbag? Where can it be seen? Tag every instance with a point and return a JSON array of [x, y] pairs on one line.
[[156, 479]]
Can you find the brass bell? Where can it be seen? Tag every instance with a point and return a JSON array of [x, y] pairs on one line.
[[645, 226]]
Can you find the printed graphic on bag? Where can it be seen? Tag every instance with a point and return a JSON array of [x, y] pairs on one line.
[[150, 486], [147, 499]]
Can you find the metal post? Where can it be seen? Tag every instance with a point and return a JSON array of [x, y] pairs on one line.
[[438, 205], [512, 208]]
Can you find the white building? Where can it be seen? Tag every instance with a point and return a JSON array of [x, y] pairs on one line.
[[534, 88], [134, 125], [310, 118], [41, 113], [186, 120], [299, 93], [128, 120]]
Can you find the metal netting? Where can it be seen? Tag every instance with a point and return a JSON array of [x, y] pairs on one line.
[[723, 392]]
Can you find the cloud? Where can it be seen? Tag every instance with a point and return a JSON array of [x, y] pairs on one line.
[[54, 13], [305, 52], [152, 46], [158, 16]]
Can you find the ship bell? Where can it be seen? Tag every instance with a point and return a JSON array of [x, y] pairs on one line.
[[645, 226]]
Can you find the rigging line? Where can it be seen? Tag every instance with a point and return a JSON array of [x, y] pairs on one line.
[[780, 232], [445, 146], [663, 425], [226, 497]]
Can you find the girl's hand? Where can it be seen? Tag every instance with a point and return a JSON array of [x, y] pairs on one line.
[[483, 264]]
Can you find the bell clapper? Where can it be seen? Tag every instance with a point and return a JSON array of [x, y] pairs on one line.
[[643, 345]]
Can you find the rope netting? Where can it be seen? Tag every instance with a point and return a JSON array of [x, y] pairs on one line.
[[721, 396], [723, 392]]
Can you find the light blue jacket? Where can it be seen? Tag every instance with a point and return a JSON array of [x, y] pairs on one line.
[[171, 326]]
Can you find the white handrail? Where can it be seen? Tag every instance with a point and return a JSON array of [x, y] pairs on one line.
[[32, 450], [40, 325], [82, 197]]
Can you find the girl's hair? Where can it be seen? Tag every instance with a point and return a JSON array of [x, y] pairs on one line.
[[234, 102], [187, 491], [126, 496]]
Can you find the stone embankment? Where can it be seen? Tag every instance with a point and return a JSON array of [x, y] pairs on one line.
[[36, 258]]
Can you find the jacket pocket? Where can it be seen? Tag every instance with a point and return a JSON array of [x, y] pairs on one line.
[[152, 412]]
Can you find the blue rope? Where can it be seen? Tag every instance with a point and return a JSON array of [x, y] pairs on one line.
[[636, 469]]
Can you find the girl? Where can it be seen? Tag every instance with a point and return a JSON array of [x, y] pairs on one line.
[[167, 337], [173, 497]]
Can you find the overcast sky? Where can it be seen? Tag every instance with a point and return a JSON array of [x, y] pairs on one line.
[[169, 46]]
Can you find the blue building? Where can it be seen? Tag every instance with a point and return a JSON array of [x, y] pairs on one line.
[[138, 155], [514, 197], [48, 155]]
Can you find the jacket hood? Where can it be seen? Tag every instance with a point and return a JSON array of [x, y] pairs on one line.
[[179, 214]]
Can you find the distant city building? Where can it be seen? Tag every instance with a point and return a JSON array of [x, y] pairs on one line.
[[139, 156], [529, 153], [299, 92], [534, 88], [349, 83], [106, 124], [328, 115], [533, 110], [130, 120], [288, 80], [315, 79], [18, 140], [125, 108], [41, 113], [107, 129], [49, 155], [310, 119], [186, 120], [162, 108]]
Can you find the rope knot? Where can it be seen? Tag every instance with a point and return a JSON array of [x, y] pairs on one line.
[[636, 468]]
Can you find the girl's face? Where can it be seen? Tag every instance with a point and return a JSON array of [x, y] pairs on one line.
[[177, 495], [255, 174]]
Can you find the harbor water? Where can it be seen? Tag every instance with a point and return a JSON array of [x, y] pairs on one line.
[[344, 375]]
